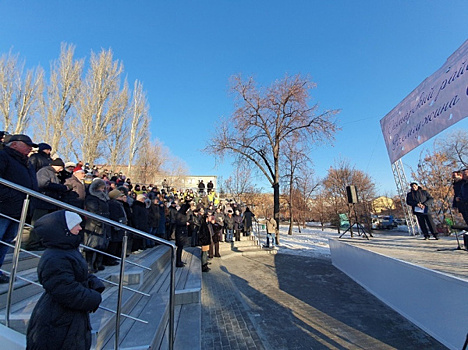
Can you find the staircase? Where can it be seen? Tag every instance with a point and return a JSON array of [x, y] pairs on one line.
[[153, 307]]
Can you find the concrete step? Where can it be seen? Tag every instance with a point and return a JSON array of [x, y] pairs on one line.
[[155, 309], [103, 322]]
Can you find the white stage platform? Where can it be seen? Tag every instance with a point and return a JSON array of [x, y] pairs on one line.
[[425, 281]]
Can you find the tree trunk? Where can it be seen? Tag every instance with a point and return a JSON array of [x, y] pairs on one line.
[[276, 208]]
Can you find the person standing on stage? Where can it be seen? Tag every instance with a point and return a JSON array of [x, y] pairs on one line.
[[420, 200]]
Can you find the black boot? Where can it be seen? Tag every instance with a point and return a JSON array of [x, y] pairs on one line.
[[179, 262], [90, 257], [98, 262], [205, 268]]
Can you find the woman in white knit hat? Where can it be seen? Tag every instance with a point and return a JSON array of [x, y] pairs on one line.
[[60, 319]]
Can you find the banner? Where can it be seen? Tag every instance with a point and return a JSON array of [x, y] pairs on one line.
[[440, 101]]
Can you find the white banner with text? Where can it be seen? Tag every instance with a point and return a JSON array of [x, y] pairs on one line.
[[440, 101]]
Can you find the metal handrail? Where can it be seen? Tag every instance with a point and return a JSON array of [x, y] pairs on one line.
[[87, 214], [82, 246], [102, 279]]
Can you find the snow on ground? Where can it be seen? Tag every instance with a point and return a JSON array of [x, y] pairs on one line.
[[311, 242]]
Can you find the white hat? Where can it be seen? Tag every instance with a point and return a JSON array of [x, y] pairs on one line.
[[72, 219], [68, 164]]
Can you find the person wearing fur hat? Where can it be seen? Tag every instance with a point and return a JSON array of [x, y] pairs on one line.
[[97, 234], [42, 157], [60, 319]]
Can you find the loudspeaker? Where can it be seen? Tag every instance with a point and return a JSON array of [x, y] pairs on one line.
[[351, 193]]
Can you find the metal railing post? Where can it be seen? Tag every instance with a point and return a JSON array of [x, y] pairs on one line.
[[119, 295], [172, 300], [19, 236], [104, 220]]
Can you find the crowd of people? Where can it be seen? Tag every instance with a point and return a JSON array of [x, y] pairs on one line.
[[190, 218], [186, 216]]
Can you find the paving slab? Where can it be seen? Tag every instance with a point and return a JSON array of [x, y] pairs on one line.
[[294, 302]]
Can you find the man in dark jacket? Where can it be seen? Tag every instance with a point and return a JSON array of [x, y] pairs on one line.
[[140, 222], [116, 213], [420, 200], [42, 157], [49, 184], [14, 167], [182, 226], [172, 220]]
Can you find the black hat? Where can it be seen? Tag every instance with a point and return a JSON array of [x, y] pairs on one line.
[[58, 162], [42, 146], [23, 138]]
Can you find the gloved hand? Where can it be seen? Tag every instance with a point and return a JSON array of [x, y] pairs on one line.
[[96, 284]]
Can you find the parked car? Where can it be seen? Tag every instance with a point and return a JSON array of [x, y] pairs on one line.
[[387, 223], [400, 221]]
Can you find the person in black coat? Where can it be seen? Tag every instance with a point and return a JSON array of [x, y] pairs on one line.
[[49, 185], [116, 213], [181, 233], [14, 167], [60, 319], [42, 157], [237, 224], [140, 222], [153, 217], [97, 234], [420, 200], [247, 221], [205, 233], [172, 218]]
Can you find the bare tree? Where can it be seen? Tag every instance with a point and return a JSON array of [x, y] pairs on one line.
[[455, 148], [240, 183], [267, 118], [96, 105], [305, 184], [117, 139], [9, 76], [139, 122], [19, 95], [26, 102], [322, 207], [342, 175], [62, 92], [294, 160]]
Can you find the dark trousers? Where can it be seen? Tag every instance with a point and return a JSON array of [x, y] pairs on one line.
[[114, 248], [426, 224], [214, 247]]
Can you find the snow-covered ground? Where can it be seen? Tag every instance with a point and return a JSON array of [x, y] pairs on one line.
[[312, 241]]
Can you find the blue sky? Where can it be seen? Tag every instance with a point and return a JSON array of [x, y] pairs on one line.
[[365, 57]]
